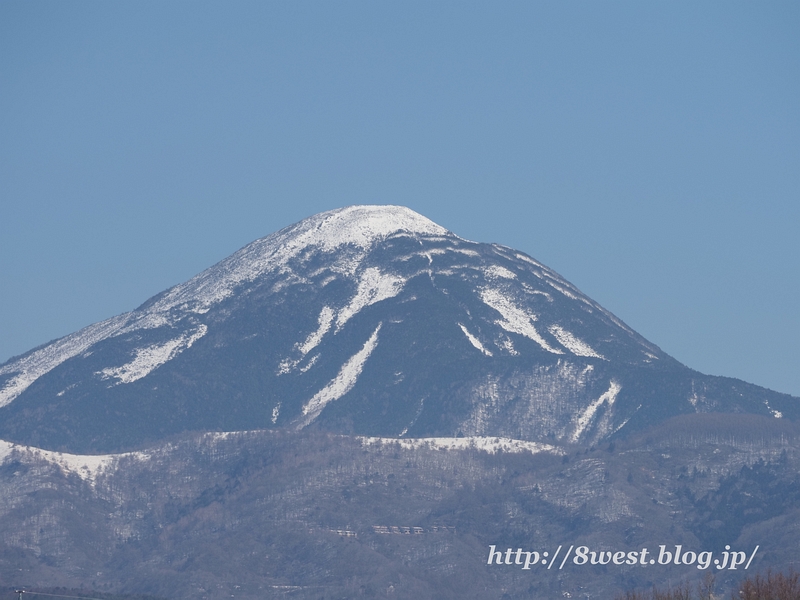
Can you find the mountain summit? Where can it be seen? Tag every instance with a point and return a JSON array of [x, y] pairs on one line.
[[369, 320]]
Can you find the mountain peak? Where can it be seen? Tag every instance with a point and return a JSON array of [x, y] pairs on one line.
[[361, 225]]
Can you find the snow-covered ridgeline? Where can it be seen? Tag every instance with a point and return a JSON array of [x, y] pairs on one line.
[[492, 445], [86, 466], [89, 466], [560, 284], [342, 383], [29, 368]]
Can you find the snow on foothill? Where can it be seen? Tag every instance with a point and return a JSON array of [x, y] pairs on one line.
[[86, 466]]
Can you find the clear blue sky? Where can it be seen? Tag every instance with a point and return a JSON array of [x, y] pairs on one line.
[[647, 151]]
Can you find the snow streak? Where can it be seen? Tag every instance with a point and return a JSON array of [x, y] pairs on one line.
[[571, 343], [342, 383], [373, 287], [312, 341], [515, 319], [150, 358], [474, 341], [585, 419]]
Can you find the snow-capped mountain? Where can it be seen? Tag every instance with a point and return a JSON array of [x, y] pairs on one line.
[[370, 320]]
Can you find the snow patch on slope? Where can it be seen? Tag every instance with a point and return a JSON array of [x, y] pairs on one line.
[[573, 344], [324, 324], [474, 341], [467, 252], [373, 287], [515, 319], [527, 258], [342, 383], [496, 271], [312, 341], [775, 413], [150, 358], [586, 417], [506, 344]]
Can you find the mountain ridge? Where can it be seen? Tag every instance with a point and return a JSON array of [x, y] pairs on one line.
[[369, 320]]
